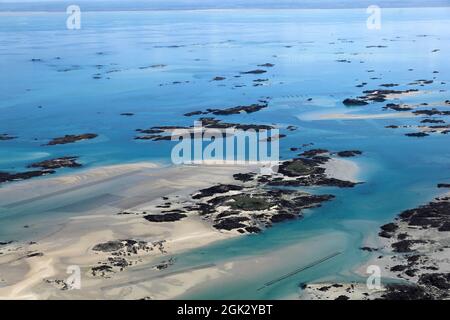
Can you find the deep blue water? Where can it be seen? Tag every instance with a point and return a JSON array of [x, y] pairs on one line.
[[40, 101]]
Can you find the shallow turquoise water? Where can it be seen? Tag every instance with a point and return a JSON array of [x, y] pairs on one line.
[[399, 172]]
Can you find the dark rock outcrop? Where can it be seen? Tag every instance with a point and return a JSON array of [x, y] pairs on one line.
[[109, 246], [236, 110], [221, 188], [405, 292], [244, 177], [349, 153], [417, 134], [5, 137], [387, 230], [397, 107], [313, 153], [432, 112], [257, 71], [266, 65]]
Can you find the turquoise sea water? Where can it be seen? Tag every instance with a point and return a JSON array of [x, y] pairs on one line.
[[58, 95]]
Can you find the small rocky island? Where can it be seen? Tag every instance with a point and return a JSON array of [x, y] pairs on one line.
[[71, 138], [63, 162], [164, 133]]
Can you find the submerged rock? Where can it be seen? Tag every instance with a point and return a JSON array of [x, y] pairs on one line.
[[354, 102], [257, 71]]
